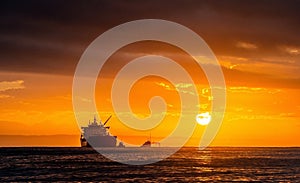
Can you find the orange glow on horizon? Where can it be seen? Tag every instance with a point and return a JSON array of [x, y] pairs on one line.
[[256, 115]]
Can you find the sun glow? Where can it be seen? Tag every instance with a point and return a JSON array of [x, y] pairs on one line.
[[203, 118]]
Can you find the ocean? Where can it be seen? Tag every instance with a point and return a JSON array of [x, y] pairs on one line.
[[187, 165]]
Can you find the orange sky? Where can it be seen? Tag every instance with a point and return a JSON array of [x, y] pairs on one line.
[[257, 47], [40, 104]]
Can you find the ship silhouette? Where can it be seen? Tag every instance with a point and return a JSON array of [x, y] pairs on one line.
[[96, 134], [149, 143]]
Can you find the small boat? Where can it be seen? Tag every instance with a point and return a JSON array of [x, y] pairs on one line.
[[147, 144], [121, 144]]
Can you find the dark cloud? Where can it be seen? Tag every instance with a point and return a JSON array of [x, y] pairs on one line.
[[50, 36]]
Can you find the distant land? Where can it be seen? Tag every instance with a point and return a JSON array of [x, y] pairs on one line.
[[39, 140]]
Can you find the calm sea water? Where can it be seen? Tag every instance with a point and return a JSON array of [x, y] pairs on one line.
[[187, 165]]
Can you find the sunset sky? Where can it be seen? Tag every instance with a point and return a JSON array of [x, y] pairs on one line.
[[256, 42]]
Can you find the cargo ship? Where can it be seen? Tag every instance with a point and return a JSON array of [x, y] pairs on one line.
[[97, 135]]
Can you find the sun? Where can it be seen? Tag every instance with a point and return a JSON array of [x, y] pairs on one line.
[[203, 118]]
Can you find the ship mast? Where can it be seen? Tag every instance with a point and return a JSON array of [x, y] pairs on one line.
[[95, 120]]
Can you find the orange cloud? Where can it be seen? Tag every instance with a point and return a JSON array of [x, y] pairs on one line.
[[292, 50], [11, 85], [4, 96], [246, 45]]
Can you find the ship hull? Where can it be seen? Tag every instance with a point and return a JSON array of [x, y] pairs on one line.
[[102, 141]]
